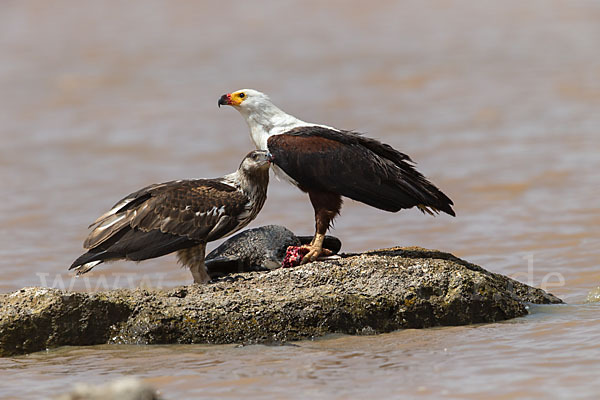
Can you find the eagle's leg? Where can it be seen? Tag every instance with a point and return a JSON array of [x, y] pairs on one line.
[[193, 258], [327, 205], [315, 249]]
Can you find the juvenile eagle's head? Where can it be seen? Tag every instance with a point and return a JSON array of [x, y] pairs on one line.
[[256, 160], [253, 174]]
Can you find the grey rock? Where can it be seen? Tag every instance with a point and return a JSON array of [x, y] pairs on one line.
[[258, 249], [374, 292]]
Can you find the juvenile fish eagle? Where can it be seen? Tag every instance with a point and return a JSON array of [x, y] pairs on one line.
[[328, 163], [179, 216]]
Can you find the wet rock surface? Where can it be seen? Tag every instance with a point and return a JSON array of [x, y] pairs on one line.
[[373, 292]]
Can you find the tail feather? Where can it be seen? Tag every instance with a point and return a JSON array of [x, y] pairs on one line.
[[405, 187], [85, 262], [132, 245], [402, 182], [393, 197], [82, 269]]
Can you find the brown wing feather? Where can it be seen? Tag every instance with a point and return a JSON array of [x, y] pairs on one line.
[[112, 221], [129, 201], [191, 208]]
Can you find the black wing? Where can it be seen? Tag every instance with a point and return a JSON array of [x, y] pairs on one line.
[[361, 168]]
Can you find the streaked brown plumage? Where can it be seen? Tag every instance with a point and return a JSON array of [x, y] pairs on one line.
[[179, 216]]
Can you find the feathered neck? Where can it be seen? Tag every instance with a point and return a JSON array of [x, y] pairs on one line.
[[265, 119], [252, 182]]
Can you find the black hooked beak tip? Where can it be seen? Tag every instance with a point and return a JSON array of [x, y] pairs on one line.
[[223, 101]]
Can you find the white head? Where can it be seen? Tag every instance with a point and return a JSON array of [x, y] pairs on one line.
[[247, 101], [261, 115]]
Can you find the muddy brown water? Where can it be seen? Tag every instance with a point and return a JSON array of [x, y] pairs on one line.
[[498, 102]]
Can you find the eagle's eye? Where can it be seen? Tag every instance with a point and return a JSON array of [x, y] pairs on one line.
[[242, 95]]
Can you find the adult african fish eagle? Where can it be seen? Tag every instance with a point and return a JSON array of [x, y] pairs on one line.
[[328, 163], [179, 216]]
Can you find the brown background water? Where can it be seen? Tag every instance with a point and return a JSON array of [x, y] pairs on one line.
[[498, 102]]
